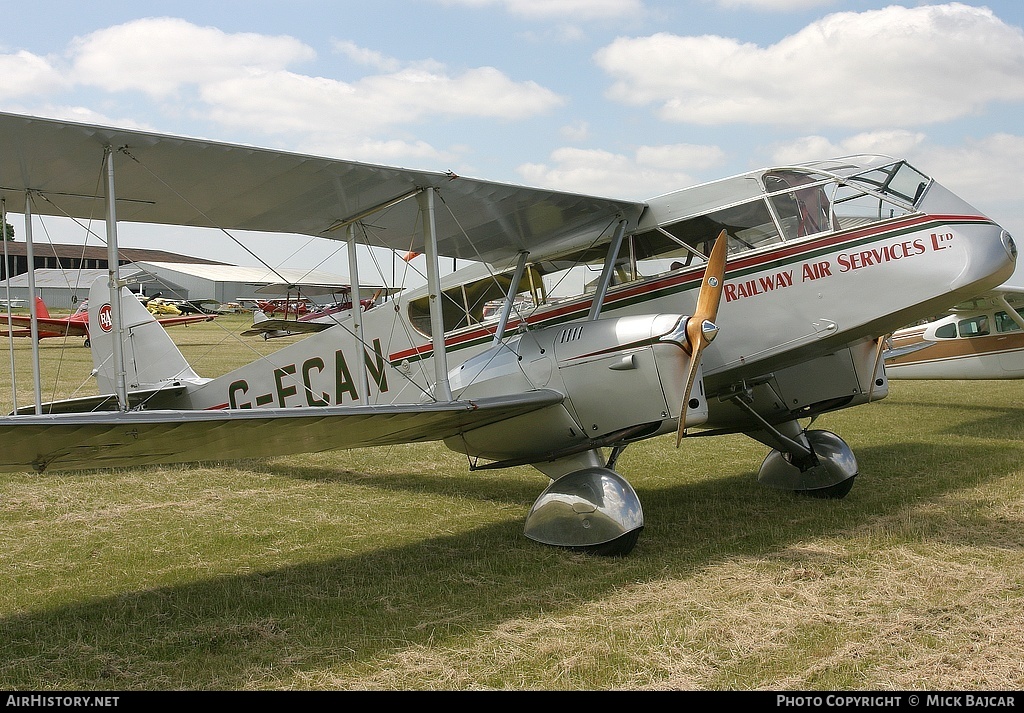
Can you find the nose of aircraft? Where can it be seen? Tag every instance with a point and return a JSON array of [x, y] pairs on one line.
[[991, 258], [991, 253]]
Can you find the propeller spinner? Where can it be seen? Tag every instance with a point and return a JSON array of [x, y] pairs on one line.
[[700, 327]]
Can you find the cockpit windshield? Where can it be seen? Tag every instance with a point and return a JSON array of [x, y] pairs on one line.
[[899, 180]]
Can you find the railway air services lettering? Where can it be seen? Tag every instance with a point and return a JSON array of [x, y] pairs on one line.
[[844, 262], [877, 256], [816, 270], [757, 286]]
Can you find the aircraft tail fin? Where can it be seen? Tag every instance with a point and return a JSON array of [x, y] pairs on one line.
[[151, 358], [41, 310]]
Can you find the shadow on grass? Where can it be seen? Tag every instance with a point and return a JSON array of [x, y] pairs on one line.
[[346, 613]]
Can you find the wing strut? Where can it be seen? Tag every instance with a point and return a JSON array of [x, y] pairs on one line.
[[33, 313], [114, 283], [510, 297], [443, 390], [606, 274], [357, 314], [7, 286]]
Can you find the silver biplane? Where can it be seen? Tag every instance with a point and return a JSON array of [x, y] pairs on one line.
[[805, 268]]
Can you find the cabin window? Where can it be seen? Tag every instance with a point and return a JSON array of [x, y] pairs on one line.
[[475, 302], [749, 226], [974, 326], [801, 200], [946, 331], [879, 194], [899, 180], [1005, 323]]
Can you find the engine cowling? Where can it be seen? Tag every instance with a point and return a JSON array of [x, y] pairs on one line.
[[615, 373]]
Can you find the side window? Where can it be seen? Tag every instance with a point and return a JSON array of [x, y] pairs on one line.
[[1005, 323], [475, 302], [973, 326], [854, 207], [803, 205], [673, 246], [946, 331]]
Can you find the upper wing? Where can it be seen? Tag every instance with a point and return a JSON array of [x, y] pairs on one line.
[[192, 182], [132, 438]]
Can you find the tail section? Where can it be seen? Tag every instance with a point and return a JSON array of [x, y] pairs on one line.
[[41, 310], [151, 358]]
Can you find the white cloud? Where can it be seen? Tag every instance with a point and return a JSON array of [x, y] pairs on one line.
[[158, 56], [652, 171], [895, 66], [577, 131], [680, 156], [285, 101], [772, 5], [364, 56], [980, 170], [549, 9], [244, 81], [895, 142], [23, 74]]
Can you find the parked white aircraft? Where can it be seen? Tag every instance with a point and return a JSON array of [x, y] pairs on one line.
[[982, 338], [803, 266]]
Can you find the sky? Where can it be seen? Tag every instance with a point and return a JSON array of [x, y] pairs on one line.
[[620, 98]]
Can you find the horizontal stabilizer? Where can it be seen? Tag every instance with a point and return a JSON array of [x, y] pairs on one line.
[[150, 398]]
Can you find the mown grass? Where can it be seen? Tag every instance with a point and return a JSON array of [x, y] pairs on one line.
[[397, 568]]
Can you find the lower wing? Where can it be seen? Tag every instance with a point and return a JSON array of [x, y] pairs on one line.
[[83, 441]]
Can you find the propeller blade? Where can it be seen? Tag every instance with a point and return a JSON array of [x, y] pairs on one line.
[[700, 327]]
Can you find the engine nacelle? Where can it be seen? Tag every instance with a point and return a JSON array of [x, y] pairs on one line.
[[615, 373]]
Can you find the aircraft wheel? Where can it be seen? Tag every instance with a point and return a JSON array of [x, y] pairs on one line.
[[829, 475], [88, 343], [832, 492], [593, 510], [619, 547]]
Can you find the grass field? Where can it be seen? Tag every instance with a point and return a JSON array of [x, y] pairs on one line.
[[397, 568]]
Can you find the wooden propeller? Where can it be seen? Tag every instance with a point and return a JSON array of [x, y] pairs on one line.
[[700, 327]]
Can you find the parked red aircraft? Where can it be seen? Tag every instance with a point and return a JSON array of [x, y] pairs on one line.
[[75, 325]]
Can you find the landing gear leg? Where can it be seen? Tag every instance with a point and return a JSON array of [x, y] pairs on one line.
[[815, 463]]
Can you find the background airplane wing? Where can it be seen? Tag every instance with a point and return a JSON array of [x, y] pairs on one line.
[[286, 325], [133, 438], [186, 319], [1013, 295], [903, 351], [46, 325], [192, 182]]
